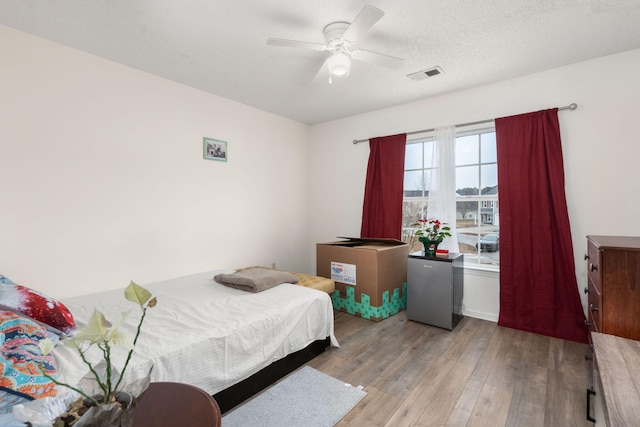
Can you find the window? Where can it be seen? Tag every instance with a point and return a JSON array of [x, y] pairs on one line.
[[477, 216]]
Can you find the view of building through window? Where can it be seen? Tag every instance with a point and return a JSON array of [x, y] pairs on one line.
[[477, 217]]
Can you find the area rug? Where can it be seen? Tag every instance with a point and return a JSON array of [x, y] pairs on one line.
[[305, 398]]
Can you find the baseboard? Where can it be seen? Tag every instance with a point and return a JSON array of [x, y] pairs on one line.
[[492, 317]]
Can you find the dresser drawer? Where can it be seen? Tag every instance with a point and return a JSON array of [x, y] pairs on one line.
[[593, 265], [594, 306], [593, 324]]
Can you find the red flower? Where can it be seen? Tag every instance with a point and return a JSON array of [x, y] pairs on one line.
[[430, 229]]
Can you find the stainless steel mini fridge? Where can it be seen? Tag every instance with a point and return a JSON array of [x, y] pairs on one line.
[[434, 289]]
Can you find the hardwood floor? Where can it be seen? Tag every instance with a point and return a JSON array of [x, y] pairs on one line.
[[479, 374]]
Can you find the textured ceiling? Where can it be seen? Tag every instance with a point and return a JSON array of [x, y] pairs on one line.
[[220, 46]]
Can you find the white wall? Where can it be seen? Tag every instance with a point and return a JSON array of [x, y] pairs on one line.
[[102, 178], [600, 145], [481, 294]]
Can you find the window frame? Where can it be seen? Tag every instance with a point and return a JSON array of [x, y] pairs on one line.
[[490, 201]]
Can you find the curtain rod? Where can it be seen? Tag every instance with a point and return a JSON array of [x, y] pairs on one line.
[[572, 106]]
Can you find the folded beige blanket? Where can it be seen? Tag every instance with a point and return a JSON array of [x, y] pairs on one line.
[[255, 279]]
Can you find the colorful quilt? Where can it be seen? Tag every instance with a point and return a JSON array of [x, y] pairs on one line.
[[22, 362]]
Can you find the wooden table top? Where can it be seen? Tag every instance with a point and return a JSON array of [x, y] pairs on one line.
[[618, 361], [166, 404]]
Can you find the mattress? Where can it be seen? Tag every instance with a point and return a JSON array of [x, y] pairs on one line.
[[203, 333]]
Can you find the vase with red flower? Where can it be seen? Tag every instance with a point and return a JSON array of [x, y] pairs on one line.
[[431, 233]]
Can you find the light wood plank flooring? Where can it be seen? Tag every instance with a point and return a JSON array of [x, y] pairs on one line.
[[479, 374]]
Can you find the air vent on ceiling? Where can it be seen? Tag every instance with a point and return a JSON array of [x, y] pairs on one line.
[[429, 72]]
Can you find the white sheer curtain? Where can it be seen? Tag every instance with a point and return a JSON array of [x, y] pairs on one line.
[[442, 187]]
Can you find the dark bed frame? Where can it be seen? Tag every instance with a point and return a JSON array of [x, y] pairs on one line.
[[231, 397]]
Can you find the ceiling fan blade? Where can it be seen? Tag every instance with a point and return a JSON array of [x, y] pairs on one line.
[[322, 76], [297, 44], [368, 16], [378, 59]]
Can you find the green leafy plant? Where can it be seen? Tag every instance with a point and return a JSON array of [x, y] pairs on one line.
[[432, 229], [101, 333]]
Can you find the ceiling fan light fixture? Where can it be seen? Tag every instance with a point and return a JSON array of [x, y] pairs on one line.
[[339, 64], [341, 38]]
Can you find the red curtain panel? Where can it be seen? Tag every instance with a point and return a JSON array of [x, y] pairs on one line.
[[382, 209], [538, 287]]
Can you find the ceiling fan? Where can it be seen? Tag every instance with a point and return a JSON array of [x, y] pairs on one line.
[[341, 38]]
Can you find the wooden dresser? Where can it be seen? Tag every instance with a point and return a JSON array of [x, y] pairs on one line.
[[613, 288], [617, 381], [614, 285]]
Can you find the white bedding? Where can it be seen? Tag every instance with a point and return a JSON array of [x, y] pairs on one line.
[[206, 334]]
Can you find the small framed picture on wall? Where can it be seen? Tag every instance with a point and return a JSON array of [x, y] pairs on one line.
[[214, 149]]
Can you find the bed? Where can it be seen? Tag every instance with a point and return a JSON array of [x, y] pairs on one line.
[[228, 342]]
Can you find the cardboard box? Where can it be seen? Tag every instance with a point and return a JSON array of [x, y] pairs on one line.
[[370, 275]]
